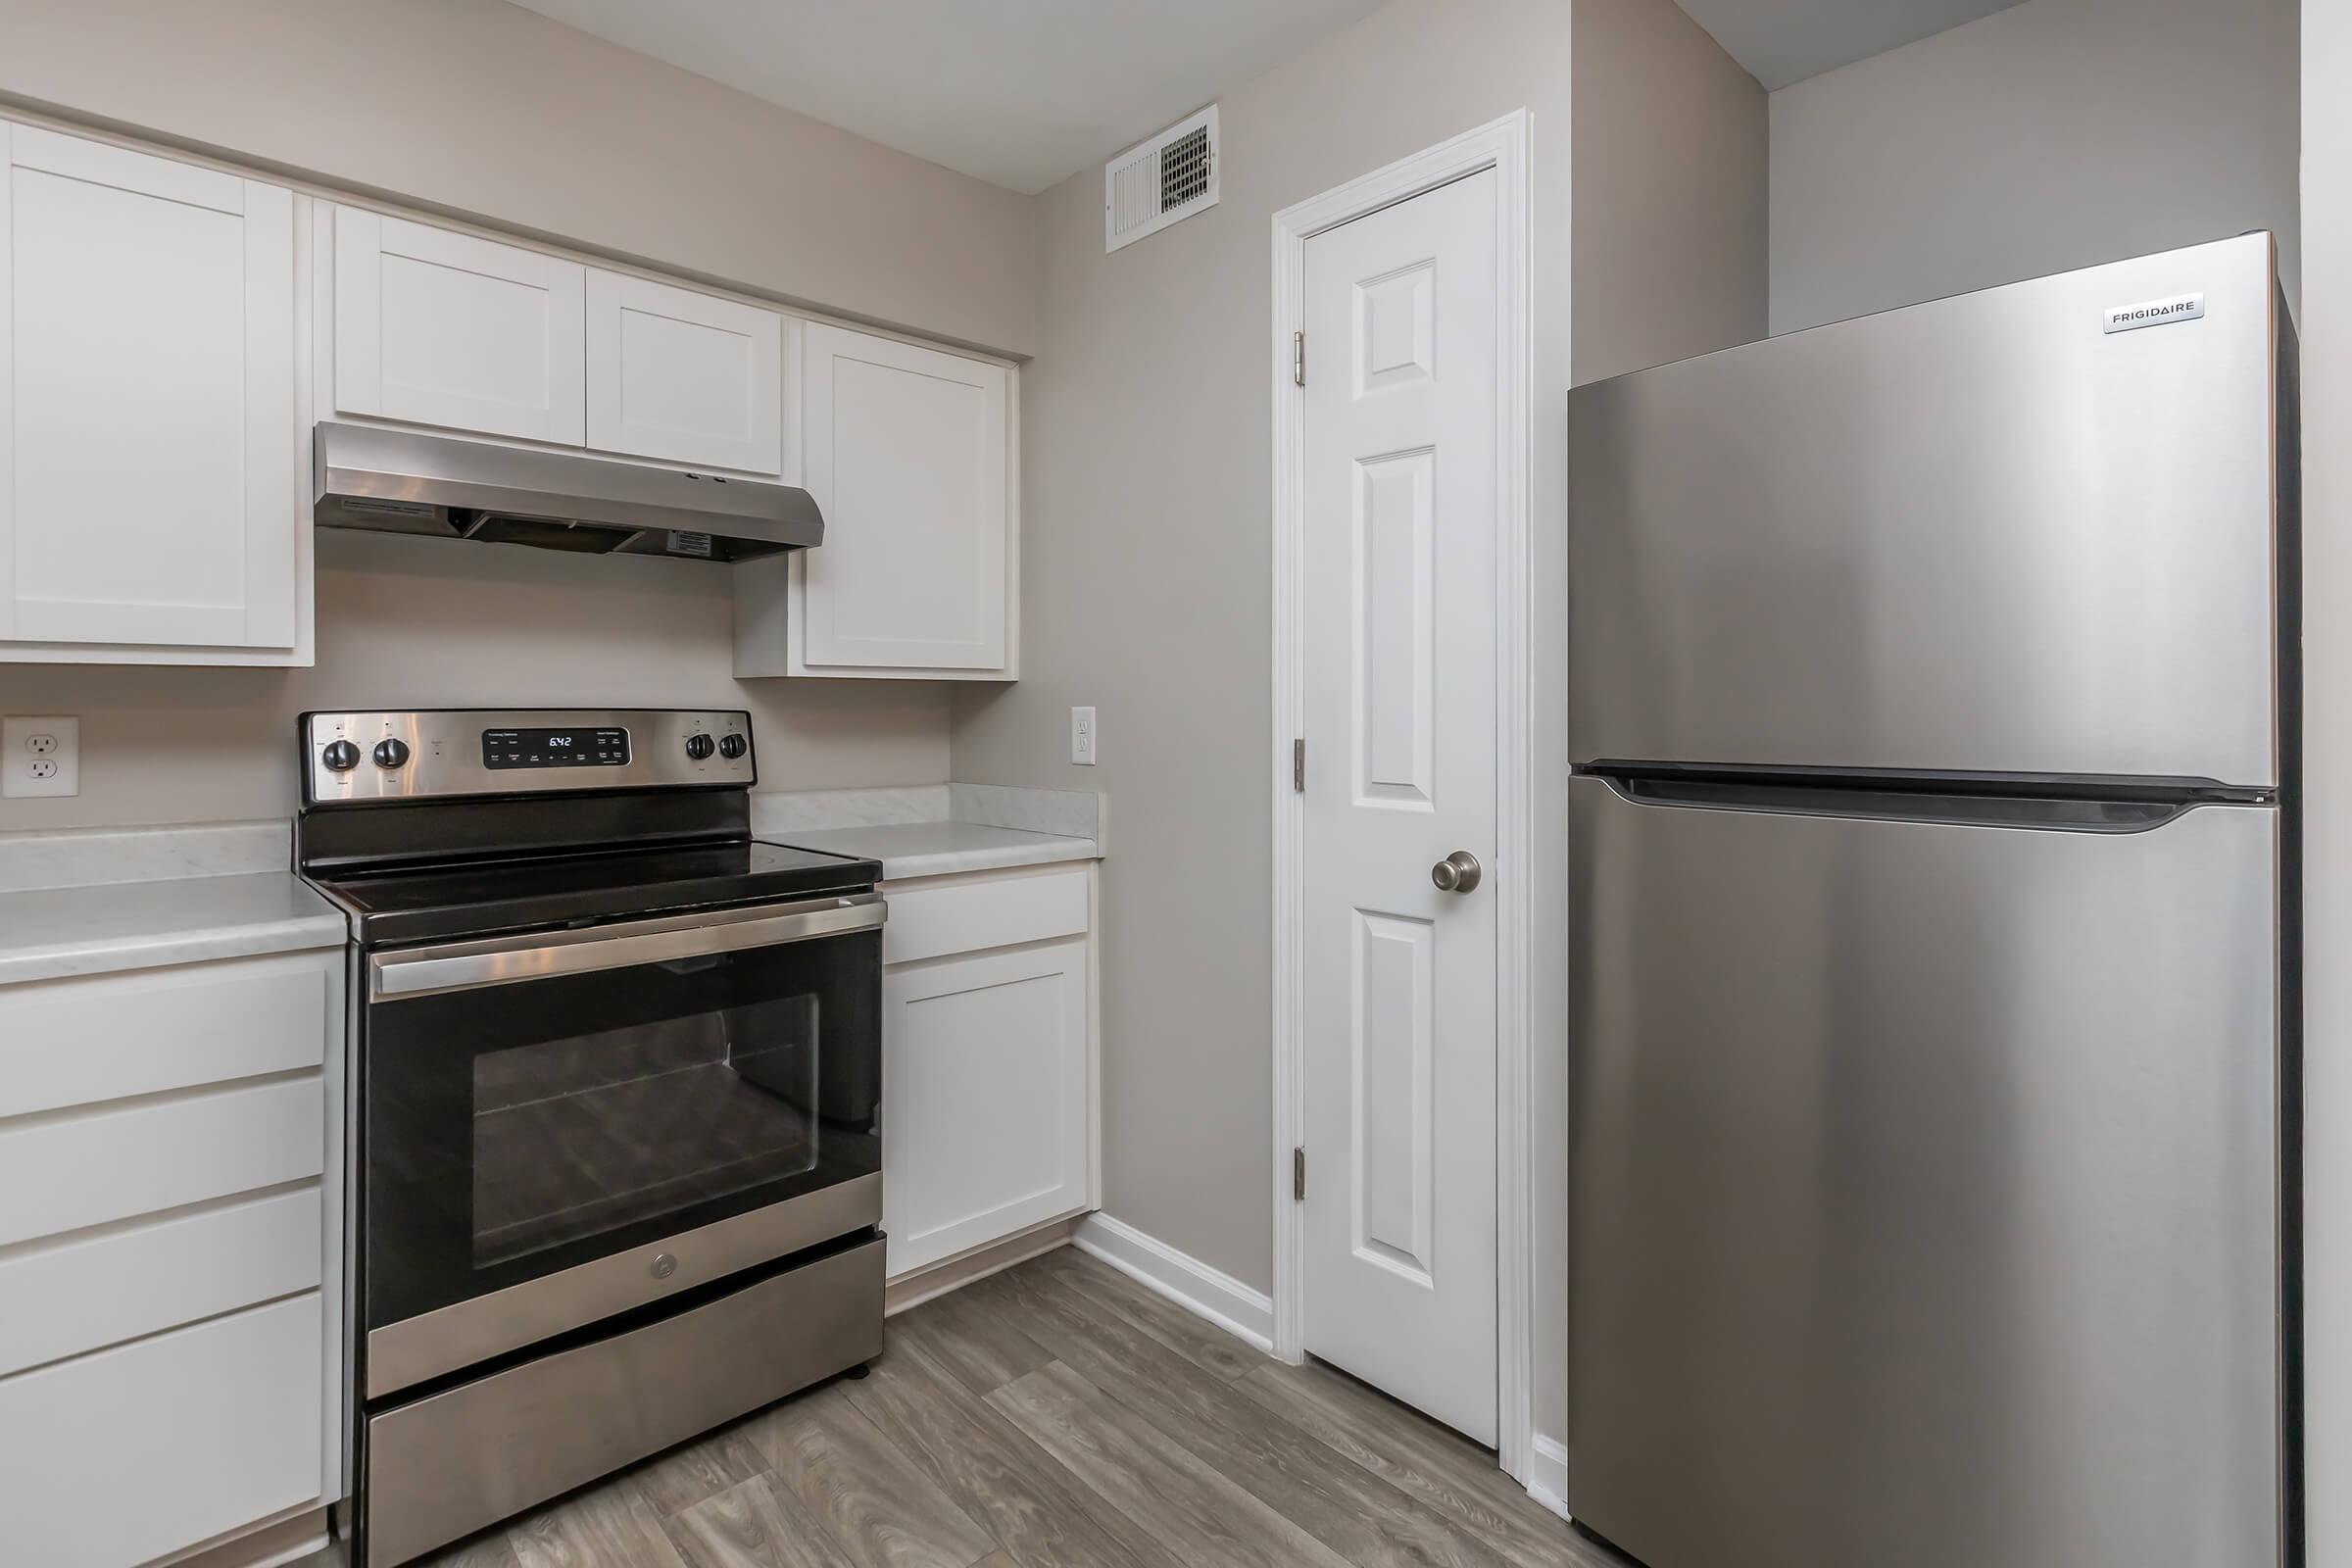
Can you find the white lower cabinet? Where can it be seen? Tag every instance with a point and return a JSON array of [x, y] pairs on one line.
[[125, 1455], [169, 1256], [988, 1062]]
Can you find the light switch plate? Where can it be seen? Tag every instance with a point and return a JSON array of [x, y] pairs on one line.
[[40, 756], [1082, 736]]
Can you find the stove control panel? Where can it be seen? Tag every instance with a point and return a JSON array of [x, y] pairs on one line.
[[377, 756], [556, 748]]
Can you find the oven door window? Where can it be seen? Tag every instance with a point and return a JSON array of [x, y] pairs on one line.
[[517, 1130]]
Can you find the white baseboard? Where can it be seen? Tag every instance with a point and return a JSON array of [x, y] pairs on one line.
[[1548, 1474], [291, 1538], [994, 1258], [1218, 1297]]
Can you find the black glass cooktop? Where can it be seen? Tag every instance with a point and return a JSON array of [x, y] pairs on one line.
[[478, 898]]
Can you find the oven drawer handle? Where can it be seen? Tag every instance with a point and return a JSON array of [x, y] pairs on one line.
[[431, 971]]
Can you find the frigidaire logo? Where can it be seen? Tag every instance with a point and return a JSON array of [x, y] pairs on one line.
[[2156, 312]]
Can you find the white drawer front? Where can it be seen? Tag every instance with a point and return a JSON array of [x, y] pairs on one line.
[[123, 1457], [969, 916], [101, 1290], [60, 1174], [84, 1041]]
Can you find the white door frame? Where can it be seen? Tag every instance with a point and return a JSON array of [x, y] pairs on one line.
[[1504, 147]]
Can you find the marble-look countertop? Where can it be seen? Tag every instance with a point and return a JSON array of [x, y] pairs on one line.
[[49, 932], [911, 850]]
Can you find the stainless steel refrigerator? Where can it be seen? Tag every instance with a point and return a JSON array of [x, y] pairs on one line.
[[1935, 980]]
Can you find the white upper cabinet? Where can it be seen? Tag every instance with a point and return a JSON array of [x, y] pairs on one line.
[[435, 327], [151, 504], [683, 376], [908, 452]]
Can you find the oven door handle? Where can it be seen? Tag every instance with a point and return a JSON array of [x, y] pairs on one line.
[[510, 960]]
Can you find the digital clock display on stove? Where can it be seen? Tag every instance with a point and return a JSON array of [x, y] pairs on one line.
[[555, 748]]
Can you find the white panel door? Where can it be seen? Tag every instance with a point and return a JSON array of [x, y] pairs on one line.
[[148, 430], [907, 455], [1400, 641], [434, 327], [684, 376], [984, 1098]]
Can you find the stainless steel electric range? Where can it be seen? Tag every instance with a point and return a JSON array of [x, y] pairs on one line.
[[616, 1081]]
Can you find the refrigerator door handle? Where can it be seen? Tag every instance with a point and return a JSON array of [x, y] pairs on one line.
[[2058, 813]]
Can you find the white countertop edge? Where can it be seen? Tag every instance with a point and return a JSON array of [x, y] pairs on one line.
[[911, 851], [915, 867], [69, 959], [59, 933]]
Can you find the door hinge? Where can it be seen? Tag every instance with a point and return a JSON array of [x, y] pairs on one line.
[[1299, 358], [1298, 765], [1299, 1175]]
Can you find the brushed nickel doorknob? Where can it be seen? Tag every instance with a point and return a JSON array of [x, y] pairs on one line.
[[1458, 872]]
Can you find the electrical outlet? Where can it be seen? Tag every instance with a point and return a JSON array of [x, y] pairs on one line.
[[1082, 736], [40, 756]]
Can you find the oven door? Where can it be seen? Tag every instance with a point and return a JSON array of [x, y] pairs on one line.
[[562, 1127]]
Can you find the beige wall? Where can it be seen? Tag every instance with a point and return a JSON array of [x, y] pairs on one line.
[[489, 111], [1671, 208], [2057, 134], [2328, 771], [1147, 584], [498, 114], [435, 622]]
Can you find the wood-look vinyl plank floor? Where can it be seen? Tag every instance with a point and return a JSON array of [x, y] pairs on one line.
[[1369, 1522], [870, 1497], [753, 1524], [1058, 1415], [1045, 1516]]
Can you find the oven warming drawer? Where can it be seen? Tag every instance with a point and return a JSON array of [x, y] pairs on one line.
[[451, 1464]]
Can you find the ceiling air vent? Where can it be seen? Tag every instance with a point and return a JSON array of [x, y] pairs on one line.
[[1172, 175]]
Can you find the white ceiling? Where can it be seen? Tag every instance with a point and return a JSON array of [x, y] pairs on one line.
[[1018, 92], [1781, 41]]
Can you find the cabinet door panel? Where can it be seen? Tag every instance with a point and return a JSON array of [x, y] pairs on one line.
[[907, 455], [435, 327], [683, 376], [148, 430], [144, 1450], [984, 1120]]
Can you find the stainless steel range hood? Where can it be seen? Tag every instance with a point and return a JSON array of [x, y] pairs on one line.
[[401, 481]]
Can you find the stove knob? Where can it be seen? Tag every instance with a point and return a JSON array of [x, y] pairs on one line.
[[391, 754], [732, 747], [698, 747], [341, 755]]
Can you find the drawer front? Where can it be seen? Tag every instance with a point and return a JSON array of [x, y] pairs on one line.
[[446, 1465], [102, 1290], [63, 1173], [123, 1457], [969, 916], [81, 1042]]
